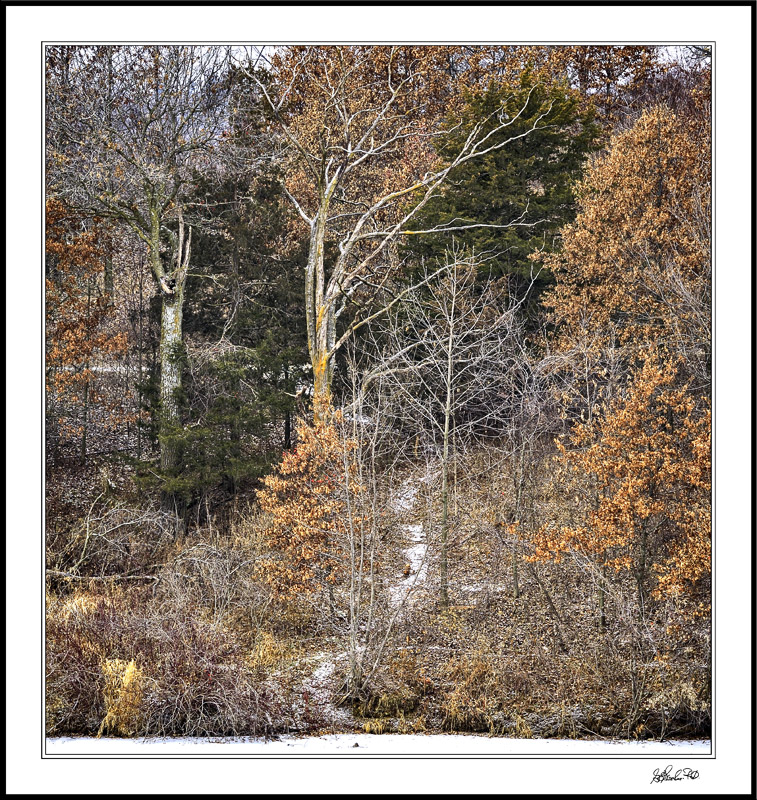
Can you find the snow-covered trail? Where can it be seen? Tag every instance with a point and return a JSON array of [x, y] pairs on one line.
[[371, 744], [316, 696], [416, 554]]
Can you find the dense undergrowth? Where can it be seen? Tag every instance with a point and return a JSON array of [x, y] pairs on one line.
[[200, 644]]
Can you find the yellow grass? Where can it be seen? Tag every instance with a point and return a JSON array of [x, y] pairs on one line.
[[123, 694]]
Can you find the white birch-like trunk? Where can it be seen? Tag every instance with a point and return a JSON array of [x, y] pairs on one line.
[[171, 286], [170, 377]]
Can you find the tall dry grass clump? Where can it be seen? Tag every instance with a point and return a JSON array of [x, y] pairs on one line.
[[123, 694]]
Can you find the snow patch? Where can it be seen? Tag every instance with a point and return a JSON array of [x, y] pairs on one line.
[[405, 498], [370, 744], [415, 555], [318, 690]]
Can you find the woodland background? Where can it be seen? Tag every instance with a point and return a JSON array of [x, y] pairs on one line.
[[378, 390]]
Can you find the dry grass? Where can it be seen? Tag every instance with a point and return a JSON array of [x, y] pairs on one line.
[[473, 699], [127, 665], [270, 653], [123, 696], [208, 650]]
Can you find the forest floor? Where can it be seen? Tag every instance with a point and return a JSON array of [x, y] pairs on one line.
[[488, 675]]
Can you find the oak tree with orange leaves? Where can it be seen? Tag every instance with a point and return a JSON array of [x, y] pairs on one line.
[[635, 265], [79, 338], [646, 460], [310, 496]]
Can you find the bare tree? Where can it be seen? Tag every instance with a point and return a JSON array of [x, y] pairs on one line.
[[380, 466], [447, 352], [125, 127], [348, 114]]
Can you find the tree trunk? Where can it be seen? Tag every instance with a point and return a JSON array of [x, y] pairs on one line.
[[552, 607], [516, 584], [287, 413], [108, 282], [319, 313], [171, 348], [322, 360], [287, 430], [85, 422], [518, 479], [322, 376], [444, 578], [601, 603], [170, 387], [140, 341], [641, 570], [170, 378], [85, 408], [108, 274]]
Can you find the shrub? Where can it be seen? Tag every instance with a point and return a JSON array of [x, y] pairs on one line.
[[122, 663], [309, 504], [473, 700], [396, 689]]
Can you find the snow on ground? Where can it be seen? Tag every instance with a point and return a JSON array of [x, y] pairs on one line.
[[405, 498], [416, 559], [320, 687], [371, 744], [416, 554], [316, 695]]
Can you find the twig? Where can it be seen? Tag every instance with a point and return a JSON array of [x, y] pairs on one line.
[[72, 575]]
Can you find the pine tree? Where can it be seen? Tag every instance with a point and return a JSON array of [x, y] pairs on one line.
[[518, 197], [246, 338]]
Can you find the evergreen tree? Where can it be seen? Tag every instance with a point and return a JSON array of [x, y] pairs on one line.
[[518, 196], [246, 338]]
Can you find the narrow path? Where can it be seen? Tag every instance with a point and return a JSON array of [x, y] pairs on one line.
[[317, 702], [416, 555]]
